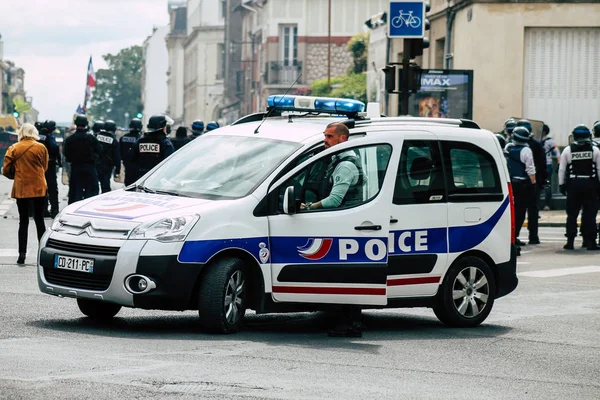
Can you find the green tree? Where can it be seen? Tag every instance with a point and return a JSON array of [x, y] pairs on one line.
[[118, 88], [353, 86], [358, 46]]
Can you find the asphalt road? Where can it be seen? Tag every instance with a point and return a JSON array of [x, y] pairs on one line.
[[540, 342]]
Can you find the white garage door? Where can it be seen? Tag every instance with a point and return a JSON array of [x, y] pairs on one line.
[[562, 78]]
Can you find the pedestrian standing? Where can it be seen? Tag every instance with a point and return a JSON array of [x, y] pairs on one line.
[[109, 159], [551, 151], [126, 144], [26, 162], [82, 150], [153, 147], [578, 179], [521, 168], [54, 162]]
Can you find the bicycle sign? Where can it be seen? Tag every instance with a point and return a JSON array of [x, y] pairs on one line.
[[406, 19]]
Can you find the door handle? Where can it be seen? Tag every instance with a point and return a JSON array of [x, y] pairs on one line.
[[368, 228], [393, 220]]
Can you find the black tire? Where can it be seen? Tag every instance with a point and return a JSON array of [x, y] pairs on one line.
[[98, 310], [222, 296], [467, 293]]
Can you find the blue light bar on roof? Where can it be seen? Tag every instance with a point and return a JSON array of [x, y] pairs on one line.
[[315, 104]]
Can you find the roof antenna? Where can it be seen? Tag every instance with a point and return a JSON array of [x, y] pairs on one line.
[[275, 106]]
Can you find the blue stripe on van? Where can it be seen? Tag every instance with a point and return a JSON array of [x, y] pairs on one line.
[[293, 249]]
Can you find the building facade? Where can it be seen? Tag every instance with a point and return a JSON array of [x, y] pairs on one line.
[[204, 61], [287, 44], [532, 58], [176, 53], [154, 73]]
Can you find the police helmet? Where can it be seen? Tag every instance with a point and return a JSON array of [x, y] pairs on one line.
[[50, 125], [168, 128], [98, 126], [545, 130], [525, 124], [520, 134], [212, 125], [38, 126], [509, 125], [156, 123], [581, 132], [110, 126], [197, 127], [596, 129], [135, 124], [501, 140], [81, 121]]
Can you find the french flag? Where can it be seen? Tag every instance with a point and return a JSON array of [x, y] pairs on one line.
[[91, 75]]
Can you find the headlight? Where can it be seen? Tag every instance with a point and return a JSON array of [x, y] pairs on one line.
[[173, 229], [56, 224]]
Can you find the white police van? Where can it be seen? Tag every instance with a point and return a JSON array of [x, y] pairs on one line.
[[217, 226]]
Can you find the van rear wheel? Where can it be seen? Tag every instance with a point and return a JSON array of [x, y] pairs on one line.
[[467, 293], [222, 297], [97, 309]]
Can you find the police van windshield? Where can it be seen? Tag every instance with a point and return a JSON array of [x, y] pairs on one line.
[[220, 167]]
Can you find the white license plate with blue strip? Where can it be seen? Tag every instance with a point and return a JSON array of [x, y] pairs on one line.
[[74, 263]]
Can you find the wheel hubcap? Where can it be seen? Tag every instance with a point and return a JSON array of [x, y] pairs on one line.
[[470, 292], [234, 297]]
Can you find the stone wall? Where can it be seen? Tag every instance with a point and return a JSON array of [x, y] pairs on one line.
[[315, 66]]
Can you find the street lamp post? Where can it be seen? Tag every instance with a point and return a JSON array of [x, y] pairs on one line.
[[329, 47]]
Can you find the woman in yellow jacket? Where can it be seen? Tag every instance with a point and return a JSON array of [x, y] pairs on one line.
[[30, 160]]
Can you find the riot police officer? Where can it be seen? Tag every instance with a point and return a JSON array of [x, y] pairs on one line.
[[127, 143], [521, 168], [110, 155], [181, 138], [54, 161], [154, 146], [197, 128], [541, 175], [98, 127], [212, 125], [596, 131], [578, 175], [82, 150], [509, 125]]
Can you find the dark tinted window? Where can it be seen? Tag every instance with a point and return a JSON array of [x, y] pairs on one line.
[[420, 177]]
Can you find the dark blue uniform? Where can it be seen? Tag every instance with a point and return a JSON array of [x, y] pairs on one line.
[[54, 162], [523, 189], [109, 158], [127, 143], [150, 150], [82, 150]]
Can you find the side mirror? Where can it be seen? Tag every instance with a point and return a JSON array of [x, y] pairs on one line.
[[289, 201]]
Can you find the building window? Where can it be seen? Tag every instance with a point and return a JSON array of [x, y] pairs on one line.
[[289, 45]]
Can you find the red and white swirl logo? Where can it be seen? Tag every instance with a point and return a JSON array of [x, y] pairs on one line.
[[315, 249]]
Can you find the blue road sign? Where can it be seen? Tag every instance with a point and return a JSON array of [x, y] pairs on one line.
[[405, 19]]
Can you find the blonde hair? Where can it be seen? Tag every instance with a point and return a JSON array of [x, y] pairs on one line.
[[28, 130]]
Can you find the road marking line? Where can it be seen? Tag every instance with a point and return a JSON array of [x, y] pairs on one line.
[[550, 273]]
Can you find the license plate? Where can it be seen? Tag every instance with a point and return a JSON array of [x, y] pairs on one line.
[[74, 263]]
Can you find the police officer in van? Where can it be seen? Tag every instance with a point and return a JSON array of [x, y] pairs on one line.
[[153, 147], [82, 151], [521, 168], [110, 156], [126, 145], [578, 179], [54, 162]]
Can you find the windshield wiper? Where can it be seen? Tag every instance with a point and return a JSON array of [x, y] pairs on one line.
[[170, 193], [144, 189]]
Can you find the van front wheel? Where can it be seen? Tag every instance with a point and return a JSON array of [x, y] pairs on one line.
[[467, 293], [222, 297]]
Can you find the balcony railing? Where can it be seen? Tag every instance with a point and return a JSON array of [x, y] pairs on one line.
[[277, 72]]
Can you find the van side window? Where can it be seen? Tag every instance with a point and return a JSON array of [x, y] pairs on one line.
[[420, 178], [313, 183], [470, 171]]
